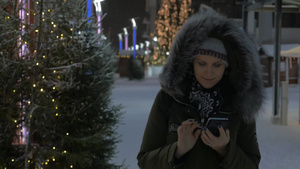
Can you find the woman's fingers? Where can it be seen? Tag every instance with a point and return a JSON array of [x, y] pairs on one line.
[[187, 136], [190, 126], [205, 138]]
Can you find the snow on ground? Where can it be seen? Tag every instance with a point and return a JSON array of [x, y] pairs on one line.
[[279, 145]]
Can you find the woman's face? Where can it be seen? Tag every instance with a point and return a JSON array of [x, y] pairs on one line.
[[208, 70]]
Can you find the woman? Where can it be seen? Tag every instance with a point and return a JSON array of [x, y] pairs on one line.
[[213, 70]]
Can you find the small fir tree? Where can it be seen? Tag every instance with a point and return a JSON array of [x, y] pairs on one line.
[[56, 110]]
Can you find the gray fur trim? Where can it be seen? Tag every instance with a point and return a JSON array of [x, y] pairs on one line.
[[245, 71]]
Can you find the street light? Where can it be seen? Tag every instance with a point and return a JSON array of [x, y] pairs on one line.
[[120, 40], [97, 4], [126, 38], [134, 27], [147, 46], [155, 41], [141, 46]]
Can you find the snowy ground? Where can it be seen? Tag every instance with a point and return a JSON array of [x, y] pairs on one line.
[[279, 145]]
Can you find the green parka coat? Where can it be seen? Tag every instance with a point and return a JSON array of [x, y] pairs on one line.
[[242, 92]]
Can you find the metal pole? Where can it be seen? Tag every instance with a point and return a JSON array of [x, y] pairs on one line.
[[299, 85], [134, 42], [89, 6], [277, 56], [99, 22], [245, 16], [126, 42], [126, 38], [284, 102]]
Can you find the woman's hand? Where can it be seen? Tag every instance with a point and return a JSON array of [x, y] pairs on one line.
[[188, 134], [219, 144]]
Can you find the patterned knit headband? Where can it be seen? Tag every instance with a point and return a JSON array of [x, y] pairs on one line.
[[213, 47]]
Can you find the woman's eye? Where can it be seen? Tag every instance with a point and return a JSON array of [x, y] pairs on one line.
[[218, 64], [201, 64]]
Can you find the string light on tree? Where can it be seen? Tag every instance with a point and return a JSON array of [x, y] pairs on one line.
[[171, 16]]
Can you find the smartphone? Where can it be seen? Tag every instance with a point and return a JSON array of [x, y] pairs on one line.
[[213, 123]]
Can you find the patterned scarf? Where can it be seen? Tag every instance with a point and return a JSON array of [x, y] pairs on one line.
[[207, 101]]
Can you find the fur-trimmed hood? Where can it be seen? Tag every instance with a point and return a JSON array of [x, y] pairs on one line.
[[244, 71]]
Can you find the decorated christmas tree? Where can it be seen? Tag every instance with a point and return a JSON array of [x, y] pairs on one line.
[[56, 76], [171, 16]]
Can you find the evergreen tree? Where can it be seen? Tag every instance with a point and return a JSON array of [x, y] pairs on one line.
[[56, 110], [171, 16]]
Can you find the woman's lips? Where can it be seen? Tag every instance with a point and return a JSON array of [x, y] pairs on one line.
[[208, 79]]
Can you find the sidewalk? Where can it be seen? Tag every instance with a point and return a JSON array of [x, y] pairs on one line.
[[279, 145]]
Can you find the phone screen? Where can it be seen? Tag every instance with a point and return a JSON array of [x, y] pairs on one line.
[[213, 123]]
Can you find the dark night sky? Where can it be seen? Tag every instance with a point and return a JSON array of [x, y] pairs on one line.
[[118, 14]]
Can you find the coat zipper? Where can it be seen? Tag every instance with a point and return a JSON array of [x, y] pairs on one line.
[[202, 119]]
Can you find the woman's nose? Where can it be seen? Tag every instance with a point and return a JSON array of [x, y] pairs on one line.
[[209, 71]]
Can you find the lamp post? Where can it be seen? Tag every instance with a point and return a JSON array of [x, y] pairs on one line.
[[141, 46], [97, 4], [120, 41], [126, 38], [147, 46], [155, 41], [23, 133], [134, 27]]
